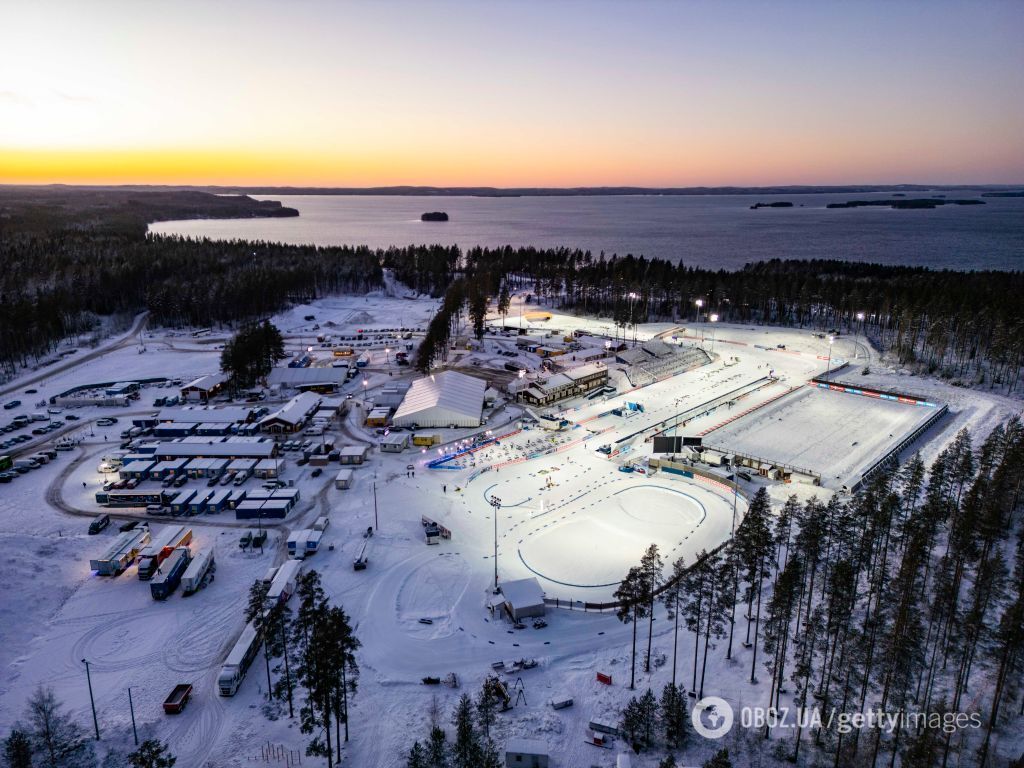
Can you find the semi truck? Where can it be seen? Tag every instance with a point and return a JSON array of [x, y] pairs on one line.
[[237, 663], [196, 572], [164, 541], [121, 553], [168, 575]]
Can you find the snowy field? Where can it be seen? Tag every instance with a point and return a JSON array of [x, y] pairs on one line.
[[835, 434], [568, 516]]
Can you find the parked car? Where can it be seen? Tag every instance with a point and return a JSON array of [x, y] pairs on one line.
[[11, 405], [317, 472], [72, 417], [99, 524]]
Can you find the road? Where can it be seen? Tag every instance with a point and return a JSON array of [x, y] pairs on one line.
[[73, 362]]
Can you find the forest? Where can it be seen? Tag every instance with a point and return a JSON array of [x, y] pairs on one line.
[[907, 598], [71, 260], [967, 327]]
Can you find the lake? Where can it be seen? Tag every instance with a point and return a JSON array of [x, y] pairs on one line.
[[713, 231]]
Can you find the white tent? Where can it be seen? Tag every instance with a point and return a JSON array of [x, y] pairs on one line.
[[442, 399]]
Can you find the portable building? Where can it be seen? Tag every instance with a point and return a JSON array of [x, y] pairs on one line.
[[354, 454], [524, 598], [268, 468], [526, 753], [179, 504], [394, 443], [378, 417], [343, 480]]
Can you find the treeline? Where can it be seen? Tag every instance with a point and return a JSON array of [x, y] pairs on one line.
[[906, 599], [56, 286], [967, 326]]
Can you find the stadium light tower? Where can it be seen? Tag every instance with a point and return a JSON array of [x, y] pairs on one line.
[[860, 319], [495, 502], [632, 299], [699, 303], [713, 318], [828, 366]]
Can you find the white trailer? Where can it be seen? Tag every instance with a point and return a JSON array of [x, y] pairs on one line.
[[121, 553], [321, 523], [297, 543], [237, 663], [283, 585], [196, 571]]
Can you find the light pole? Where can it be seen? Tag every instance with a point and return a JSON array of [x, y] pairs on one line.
[[495, 502], [376, 524], [867, 356], [714, 319], [699, 303], [92, 701], [387, 356], [131, 707], [632, 300], [365, 384], [828, 366]]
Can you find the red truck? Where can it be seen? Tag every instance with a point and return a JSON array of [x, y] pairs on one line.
[[179, 697]]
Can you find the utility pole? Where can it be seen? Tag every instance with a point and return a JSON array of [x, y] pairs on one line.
[[92, 701], [131, 707], [376, 523], [495, 502]]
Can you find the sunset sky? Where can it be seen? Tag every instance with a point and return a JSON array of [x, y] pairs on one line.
[[511, 94]]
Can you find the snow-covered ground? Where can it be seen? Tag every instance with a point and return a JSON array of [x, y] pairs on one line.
[[568, 515]]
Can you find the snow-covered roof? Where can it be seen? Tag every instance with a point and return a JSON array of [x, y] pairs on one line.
[[522, 746], [295, 410], [197, 415], [230, 449], [211, 381], [656, 347], [632, 356], [583, 371], [449, 390], [522, 593], [297, 377]]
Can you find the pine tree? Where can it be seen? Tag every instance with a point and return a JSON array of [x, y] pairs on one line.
[[152, 753], [720, 760], [57, 740], [489, 756], [258, 612], [668, 762], [486, 707], [632, 600], [633, 723], [671, 598], [437, 749], [417, 757], [674, 717], [18, 750], [648, 705], [652, 568], [466, 748]]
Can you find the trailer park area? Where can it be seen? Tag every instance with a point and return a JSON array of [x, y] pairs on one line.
[[401, 523]]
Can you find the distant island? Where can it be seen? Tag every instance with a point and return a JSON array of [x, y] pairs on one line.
[[434, 216], [121, 209], [924, 203], [1017, 193], [781, 204]]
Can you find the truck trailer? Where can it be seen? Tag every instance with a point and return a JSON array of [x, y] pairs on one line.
[[196, 572], [163, 542], [237, 663], [121, 553], [283, 585], [168, 575]]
